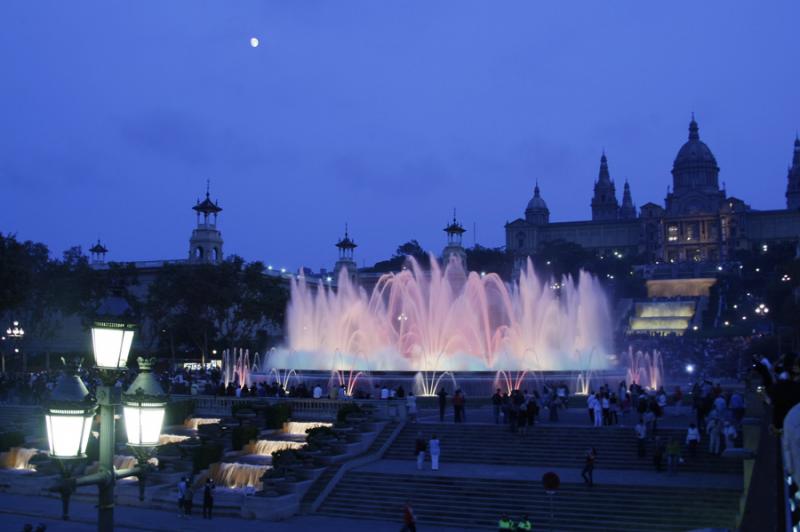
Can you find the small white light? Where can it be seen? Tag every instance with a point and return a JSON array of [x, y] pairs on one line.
[[254, 42], [689, 368], [695, 327]]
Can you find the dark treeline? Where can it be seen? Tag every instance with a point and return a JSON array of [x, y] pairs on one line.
[[182, 310]]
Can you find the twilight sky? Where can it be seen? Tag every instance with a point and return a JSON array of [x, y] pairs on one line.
[[384, 114]]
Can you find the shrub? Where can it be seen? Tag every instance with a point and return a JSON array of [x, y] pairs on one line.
[[319, 433], [178, 411], [243, 435], [346, 410], [11, 439], [205, 455], [276, 415]]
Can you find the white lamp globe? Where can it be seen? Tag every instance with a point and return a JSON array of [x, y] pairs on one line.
[[143, 406], [112, 334], [68, 417]]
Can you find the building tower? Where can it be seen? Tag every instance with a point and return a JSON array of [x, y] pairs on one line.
[[628, 210], [98, 253], [346, 261], [604, 202], [205, 245], [454, 248], [793, 185], [537, 212], [695, 178]]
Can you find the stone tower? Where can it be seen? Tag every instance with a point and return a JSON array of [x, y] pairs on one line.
[[695, 178], [628, 210], [454, 248], [98, 253], [537, 212], [346, 261], [604, 202], [793, 185], [205, 245]]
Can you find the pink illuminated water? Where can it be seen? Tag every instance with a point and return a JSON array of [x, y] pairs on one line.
[[448, 320]]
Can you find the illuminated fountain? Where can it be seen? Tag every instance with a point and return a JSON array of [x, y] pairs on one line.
[[267, 447], [164, 439], [236, 475], [236, 367], [18, 458], [193, 422], [446, 320], [299, 428], [644, 369]]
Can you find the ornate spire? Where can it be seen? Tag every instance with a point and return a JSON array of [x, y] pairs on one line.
[[628, 209], [693, 129], [603, 176]]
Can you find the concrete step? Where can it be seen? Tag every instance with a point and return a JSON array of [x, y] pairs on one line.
[[478, 503], [556, 446]]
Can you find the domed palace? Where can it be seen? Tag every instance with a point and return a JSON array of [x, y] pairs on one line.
[[699, 222]]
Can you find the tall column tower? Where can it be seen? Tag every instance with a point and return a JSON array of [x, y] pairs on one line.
[[346, 261], [205, 245], [454, 248]]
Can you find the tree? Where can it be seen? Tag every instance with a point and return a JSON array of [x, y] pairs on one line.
[[197, 307]]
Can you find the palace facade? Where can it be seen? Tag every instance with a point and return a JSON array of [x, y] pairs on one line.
[[698, 221]]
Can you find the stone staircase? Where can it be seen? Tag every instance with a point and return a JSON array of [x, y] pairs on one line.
[[478, 503], [307, 503], [551, 446]]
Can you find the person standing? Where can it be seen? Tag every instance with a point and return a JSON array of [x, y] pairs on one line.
[[411, 407], [588, 468], [673, 455], [658, 455], [435, 449], [524, 523], [208, 498], [598, 413], [458, 406], [590, 406], [729, 432], [189, 501], [409, 519], [641, 438], [497, 401], [714, 431], [182, 497], [442, 403], [692, 439], [505, 523], [419, 450]]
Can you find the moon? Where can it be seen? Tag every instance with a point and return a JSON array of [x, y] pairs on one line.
[[254, 42]]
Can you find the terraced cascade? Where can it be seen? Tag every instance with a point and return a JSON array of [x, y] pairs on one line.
[[547, 445], [469, 503]]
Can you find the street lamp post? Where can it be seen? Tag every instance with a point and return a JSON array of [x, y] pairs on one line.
[[144, 404], [16, 333]]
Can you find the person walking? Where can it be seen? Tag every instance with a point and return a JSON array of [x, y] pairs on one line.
[[419, 450], [409, 519], [588, 468], [641, 438], [435, 449], [442, 403], [208, 498], [692, 439], [497, 402]]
